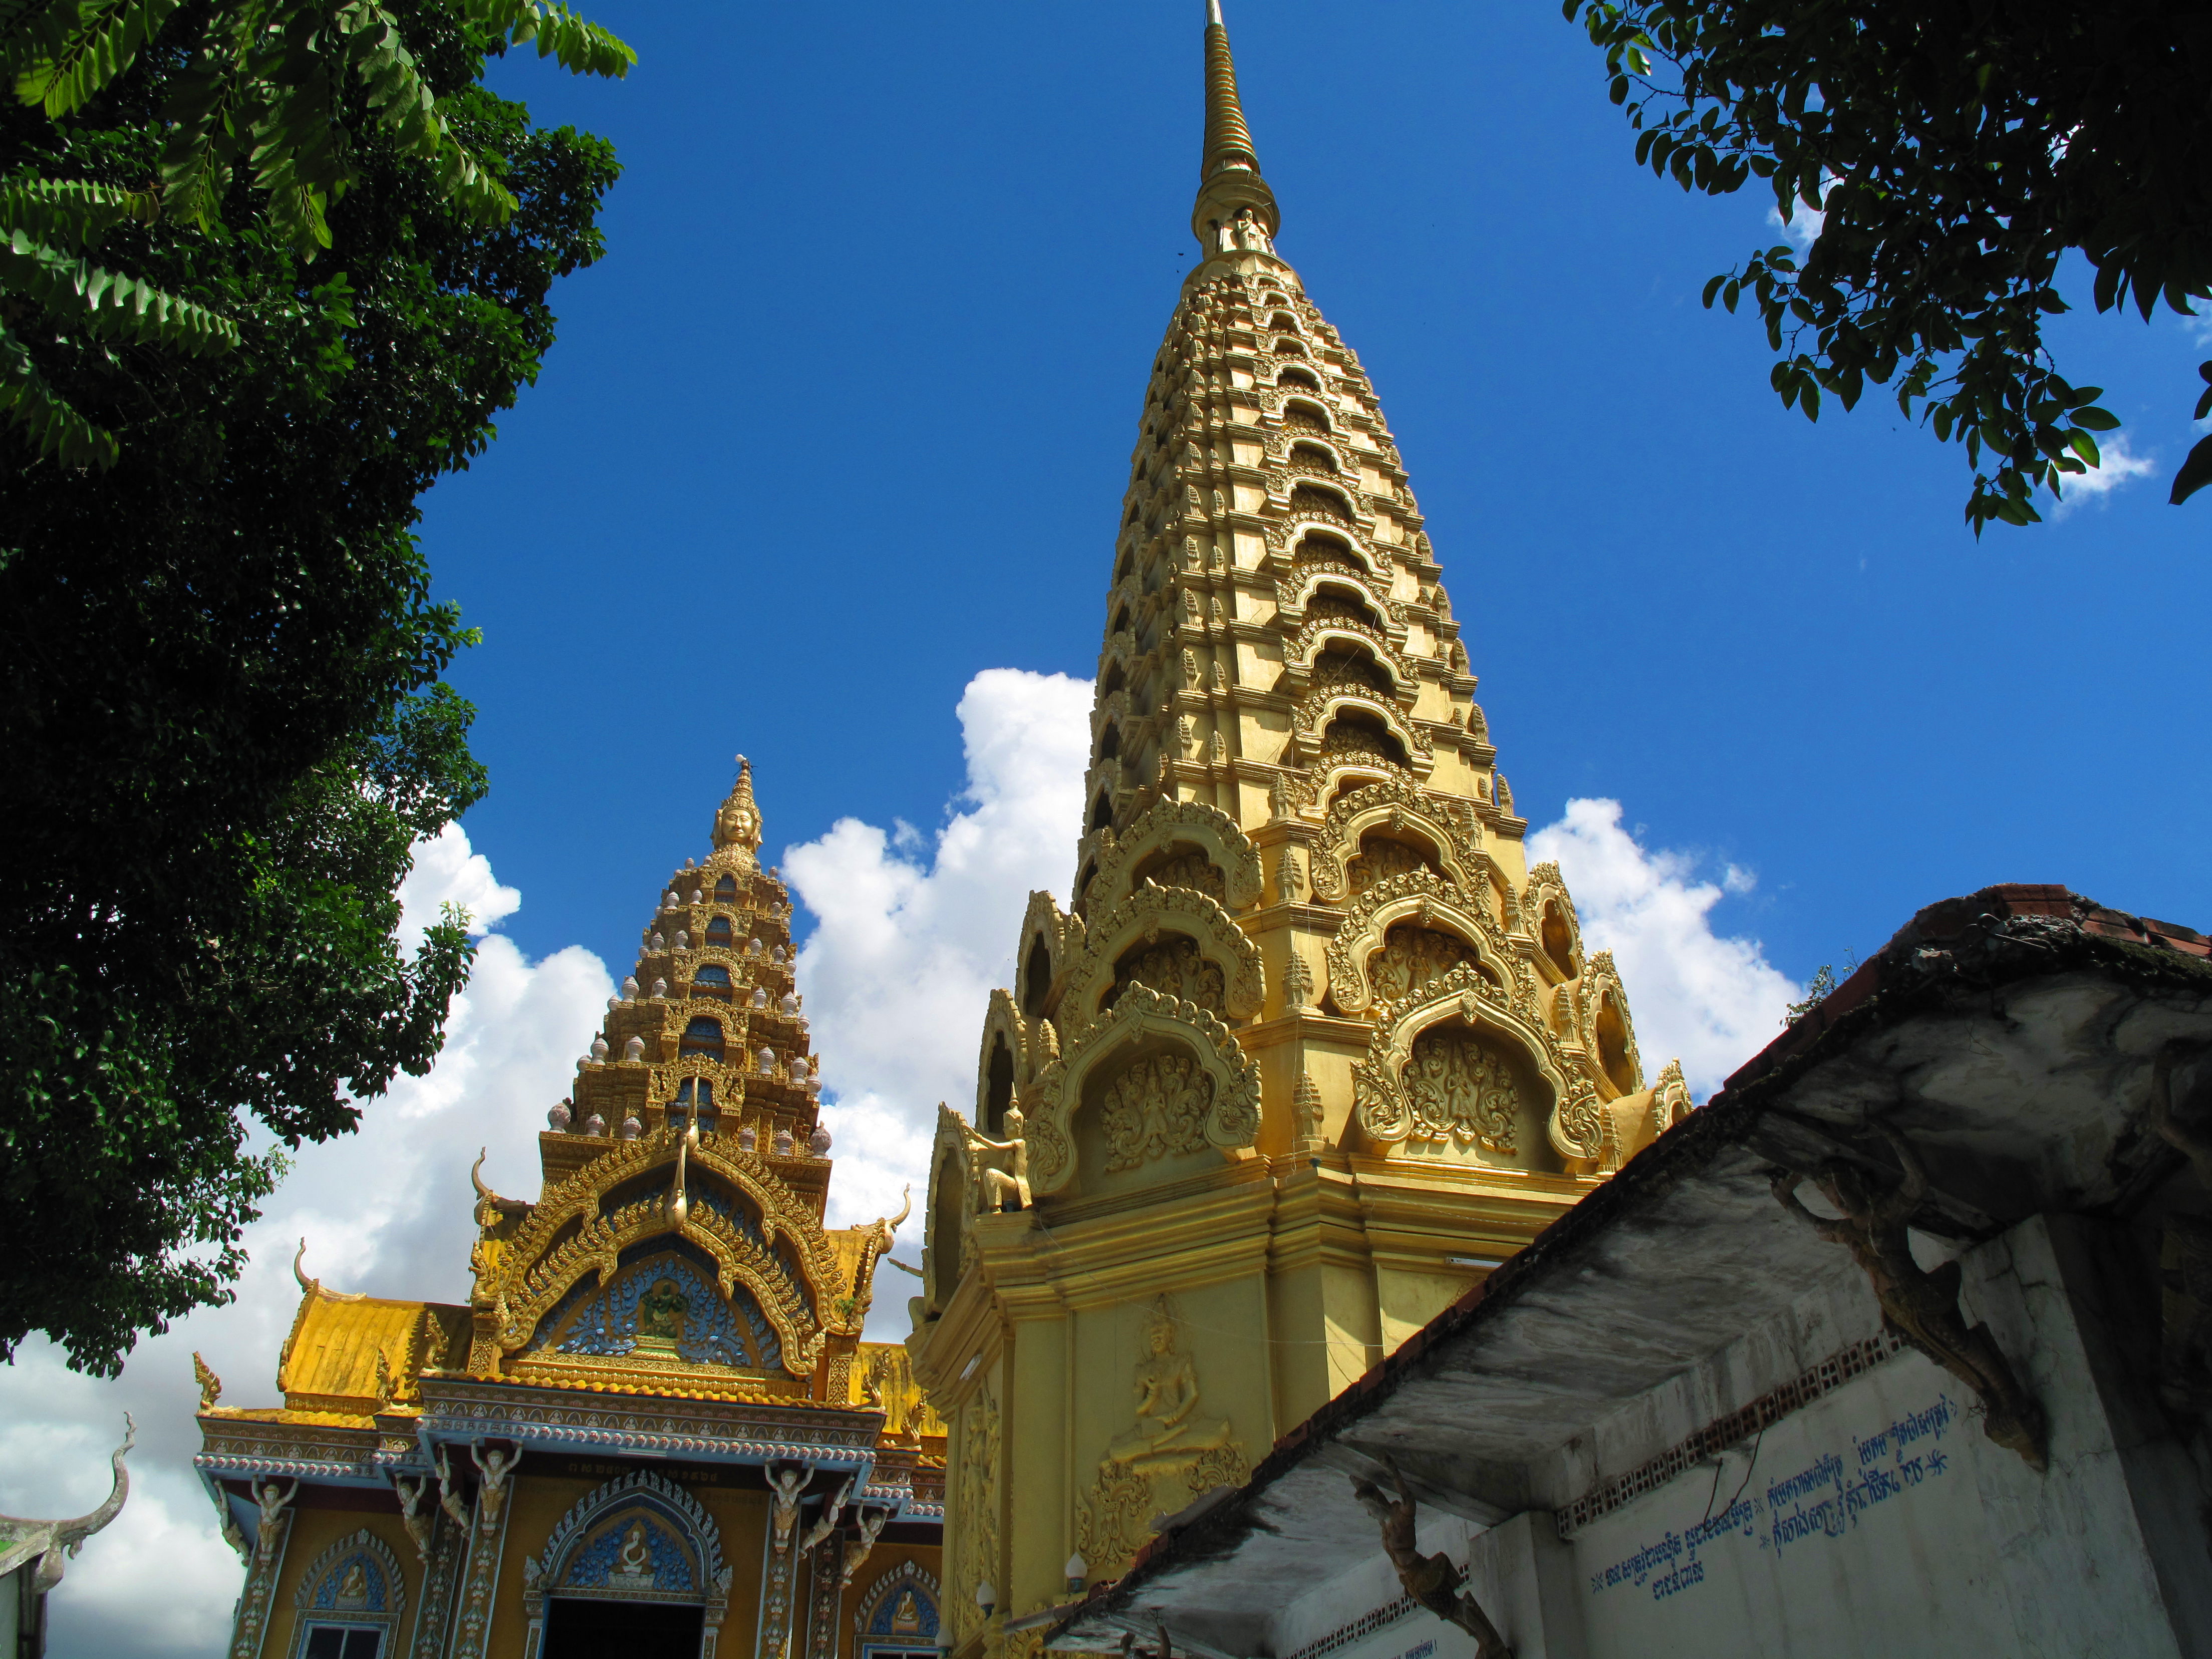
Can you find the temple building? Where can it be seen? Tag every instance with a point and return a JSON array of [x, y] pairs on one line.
[[653, 1428], [1312, 1048]]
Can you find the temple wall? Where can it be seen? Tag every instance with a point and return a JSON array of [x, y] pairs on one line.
[[1878, 1517]]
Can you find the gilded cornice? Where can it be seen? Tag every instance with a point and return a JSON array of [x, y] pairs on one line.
[[722, 1429]]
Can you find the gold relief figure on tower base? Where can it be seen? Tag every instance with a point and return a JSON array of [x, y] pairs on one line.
[[1460, 1090], [1156, 1108], [1169, 1439], [1173, 967]]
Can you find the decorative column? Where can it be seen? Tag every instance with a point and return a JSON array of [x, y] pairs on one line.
[[439, 1571], [270, 1537], [487, 1543], [827, 1567]]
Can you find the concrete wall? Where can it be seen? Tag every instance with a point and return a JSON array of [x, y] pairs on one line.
[[1876, 1519]]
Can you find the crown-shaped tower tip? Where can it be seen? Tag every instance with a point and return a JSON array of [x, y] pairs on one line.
[[1235, 209], [737, 822]]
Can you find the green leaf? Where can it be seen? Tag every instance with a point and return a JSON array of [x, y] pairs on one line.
[[105, 40], [2097, 419], [2086, 446], [2196, 472], [55, 429]]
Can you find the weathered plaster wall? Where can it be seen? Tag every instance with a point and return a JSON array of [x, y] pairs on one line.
[[1877, 1518]]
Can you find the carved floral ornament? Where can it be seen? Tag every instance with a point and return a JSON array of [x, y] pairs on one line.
[[1393, 1101], [1217, 1079], [517, 1286], [1168, 822], [1146, 916]]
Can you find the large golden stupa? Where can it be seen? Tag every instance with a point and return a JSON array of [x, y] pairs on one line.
[[1312, 1048]]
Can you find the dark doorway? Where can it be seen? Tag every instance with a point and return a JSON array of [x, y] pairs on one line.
[[621, 1630]]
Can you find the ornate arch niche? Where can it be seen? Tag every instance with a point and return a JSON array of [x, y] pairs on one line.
[[1173, 940], [898, 1614], [944, 1248], [354, 1585], [641, 1539], [1146, 1043], [767, 1241], [1558, 1116], [662, 1303], [1607, 1034], [1410, 931], [1156, 842]]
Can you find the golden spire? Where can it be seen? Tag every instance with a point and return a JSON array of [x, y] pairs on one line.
[[1229, 167], [738, 824]]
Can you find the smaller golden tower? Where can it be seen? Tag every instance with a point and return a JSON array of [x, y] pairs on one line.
[[653, 1428]]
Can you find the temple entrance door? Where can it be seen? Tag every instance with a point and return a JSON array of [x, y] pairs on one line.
[[577, 1629]]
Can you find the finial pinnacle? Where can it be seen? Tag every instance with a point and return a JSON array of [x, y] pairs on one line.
[[738, 824], [1236, 210]]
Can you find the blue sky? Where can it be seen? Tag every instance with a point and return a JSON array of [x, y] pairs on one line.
[[845, 414], [826, 467]]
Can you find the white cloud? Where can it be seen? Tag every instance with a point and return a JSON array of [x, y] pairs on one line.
[[1713, 1001], [912, 933], [386, 1211], [1803, 227], [2122, 465]]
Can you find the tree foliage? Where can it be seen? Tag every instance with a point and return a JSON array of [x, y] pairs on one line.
[[220, 660], [286, 87], [1954, 151]]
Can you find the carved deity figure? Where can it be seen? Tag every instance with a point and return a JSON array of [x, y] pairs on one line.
[[906, 1614], [272, 1502], [353, 1588], [1433, 1581], [412, 1514], [1411, 956], [737, 822], [1156, 1108], [660, 1313], [861, 1544], [1173, 967], [826, 1522], [1461, 1091], [999, 1186], [496, 1465], [785, 1485], [1921, 1307], [1380, 859], [634, 1561], [1243, 234], [1168, 1434]]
